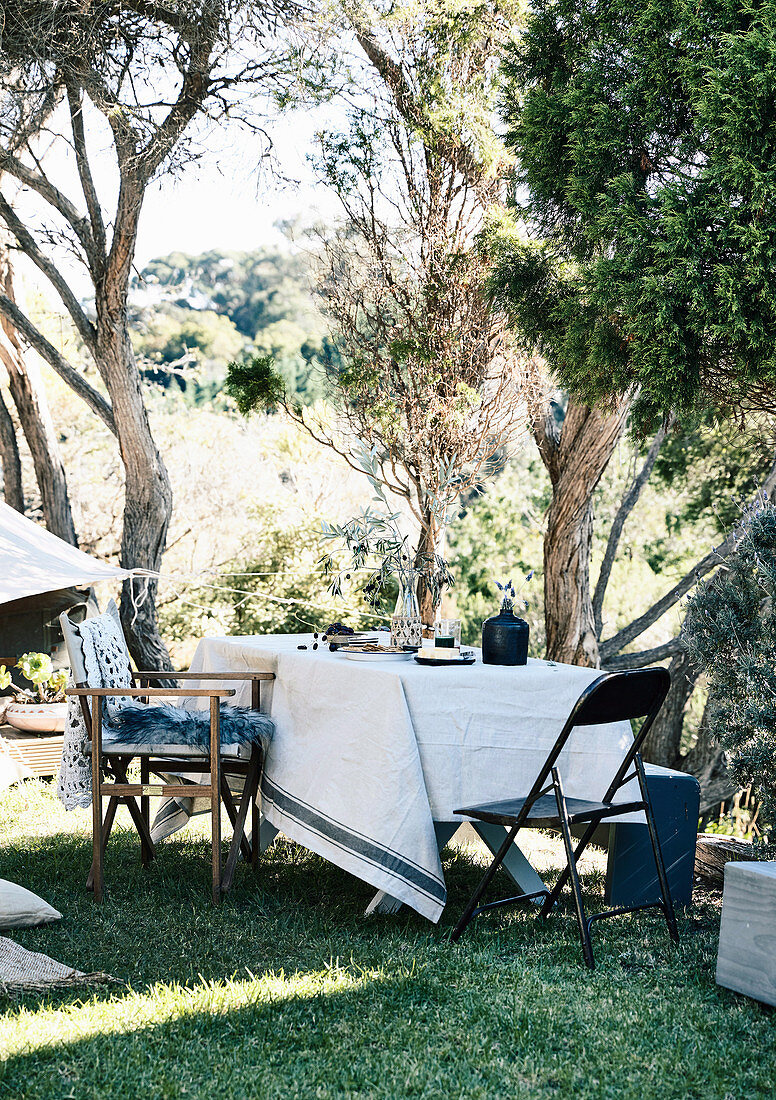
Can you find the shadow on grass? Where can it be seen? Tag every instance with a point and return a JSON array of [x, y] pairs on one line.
[[157, 924], [286, 990]]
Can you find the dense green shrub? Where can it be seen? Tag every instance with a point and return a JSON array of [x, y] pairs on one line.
[[730, 630]]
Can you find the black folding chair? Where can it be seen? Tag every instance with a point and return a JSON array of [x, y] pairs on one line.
[[613, 697]]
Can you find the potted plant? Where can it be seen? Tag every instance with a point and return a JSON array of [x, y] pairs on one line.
[[42, 708], [374, 545]]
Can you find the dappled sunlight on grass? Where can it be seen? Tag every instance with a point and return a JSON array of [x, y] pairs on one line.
[[285, 990], [61, 1024]]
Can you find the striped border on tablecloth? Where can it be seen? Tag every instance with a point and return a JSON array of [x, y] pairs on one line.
[[363, 848]]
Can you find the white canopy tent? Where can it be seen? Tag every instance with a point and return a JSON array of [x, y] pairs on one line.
[[32, 560]]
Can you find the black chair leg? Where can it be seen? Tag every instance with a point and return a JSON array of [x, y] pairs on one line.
[[584, 931], [563, 878], [485, 881], [668, 903], [255, 836]]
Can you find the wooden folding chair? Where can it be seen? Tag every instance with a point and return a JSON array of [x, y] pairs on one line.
[[613, 697], [110, 779]]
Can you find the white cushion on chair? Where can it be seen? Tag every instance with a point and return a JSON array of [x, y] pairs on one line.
[[20, 908]]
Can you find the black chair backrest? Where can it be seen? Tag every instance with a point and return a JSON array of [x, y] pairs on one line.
[[613, 697], [618, 696]]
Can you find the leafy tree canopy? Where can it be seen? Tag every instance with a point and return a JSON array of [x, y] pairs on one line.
[[253, 289], [225, 306], [711, 467], [645, 136], [171, 334]]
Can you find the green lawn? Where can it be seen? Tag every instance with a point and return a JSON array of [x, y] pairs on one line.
[[286, 991]]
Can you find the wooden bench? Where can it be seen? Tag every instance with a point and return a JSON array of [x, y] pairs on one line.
[[41, 754]]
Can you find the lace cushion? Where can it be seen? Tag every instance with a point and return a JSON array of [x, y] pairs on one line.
[[105, 661]]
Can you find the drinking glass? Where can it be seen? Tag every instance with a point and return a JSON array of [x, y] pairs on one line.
[[447, 632]]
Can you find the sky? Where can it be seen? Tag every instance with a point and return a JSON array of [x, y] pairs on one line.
[[224, 202], [230, 198]]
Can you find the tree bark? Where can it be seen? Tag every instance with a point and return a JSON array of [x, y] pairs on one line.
[[576, 457], [663, 744], [627, 504], [428, 547], [144, 135], [148, 494], [29, 397], [713, 852], [706, 762], [13, 492]]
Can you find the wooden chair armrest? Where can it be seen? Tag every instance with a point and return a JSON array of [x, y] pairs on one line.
[[159, 674], [146, 692]]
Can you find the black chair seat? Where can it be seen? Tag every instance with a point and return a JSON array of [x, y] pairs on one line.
[[545, 810]]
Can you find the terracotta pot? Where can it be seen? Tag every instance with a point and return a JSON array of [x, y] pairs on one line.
[[37, 717]]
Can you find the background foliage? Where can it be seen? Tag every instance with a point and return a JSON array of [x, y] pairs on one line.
[[730, 630], [644, 138]]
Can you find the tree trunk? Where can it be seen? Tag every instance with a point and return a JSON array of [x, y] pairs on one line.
[[13, 492], [428, 547], [29, 397], [576, 457], [663, 744], [706, 762], [148, 495]]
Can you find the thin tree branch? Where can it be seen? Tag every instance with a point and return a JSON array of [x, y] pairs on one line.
[[57, 362], [412, 110], [75, 102], [714, 558], [195, 87], [29, 247], [627, 504], [325, 441], [161, 13], [42, 186], [643, 657]]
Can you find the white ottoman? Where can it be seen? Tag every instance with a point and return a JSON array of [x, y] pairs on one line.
[[746, 961]]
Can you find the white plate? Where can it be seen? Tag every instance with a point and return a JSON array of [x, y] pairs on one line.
[[376, 656]]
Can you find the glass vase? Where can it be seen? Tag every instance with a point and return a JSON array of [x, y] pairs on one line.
[[405, 621]]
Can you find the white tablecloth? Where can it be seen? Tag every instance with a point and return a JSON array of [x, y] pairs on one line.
[[366, 756]]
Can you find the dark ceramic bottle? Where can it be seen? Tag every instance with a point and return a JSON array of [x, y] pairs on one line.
[[505, 638]]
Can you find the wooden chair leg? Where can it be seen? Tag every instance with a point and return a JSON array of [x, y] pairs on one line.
[[119, 767], [248, 799], [107, 825], [215, 795], [146, 854], [255, 838], [98, 879], [231, 810], [255, 705]]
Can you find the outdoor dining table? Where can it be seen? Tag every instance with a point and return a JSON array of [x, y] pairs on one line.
[[370, 760]]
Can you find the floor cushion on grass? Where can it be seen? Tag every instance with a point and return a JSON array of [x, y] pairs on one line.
[[20, 908], [21, 969]]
